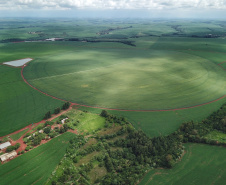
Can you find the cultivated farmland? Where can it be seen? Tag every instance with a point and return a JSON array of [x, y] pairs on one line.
[[139, 65], [130, 79], [201, 164], [35, 166], [20, 104]]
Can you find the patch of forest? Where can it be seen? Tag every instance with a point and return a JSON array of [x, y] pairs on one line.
[[119, 154]]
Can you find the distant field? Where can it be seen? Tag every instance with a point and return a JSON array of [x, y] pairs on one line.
[[132, 79], [36, 166], [201, 165]]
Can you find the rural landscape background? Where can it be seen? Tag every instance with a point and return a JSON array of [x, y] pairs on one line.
[[109, 99]]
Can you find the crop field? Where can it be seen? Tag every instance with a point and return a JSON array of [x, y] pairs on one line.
[[17, 136], [138, 65], [201, 164], [36, 166], [130, 79], [20, 104]]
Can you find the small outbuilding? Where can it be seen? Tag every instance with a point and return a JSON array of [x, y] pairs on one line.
[[40, 131], [7, 156], [5, 145], [63, 120]]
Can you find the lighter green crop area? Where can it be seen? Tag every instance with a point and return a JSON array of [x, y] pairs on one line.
[[137, 79]]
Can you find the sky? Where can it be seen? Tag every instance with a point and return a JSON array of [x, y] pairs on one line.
[[114, 8]]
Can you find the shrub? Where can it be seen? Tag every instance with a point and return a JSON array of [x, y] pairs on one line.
[[57, 110], [48, 123], [11, 148], [62, 117], [27, 134], [65, 106], [47, 130], [47, 115]]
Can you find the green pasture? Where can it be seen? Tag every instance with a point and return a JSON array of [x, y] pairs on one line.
[[35, 166], [20, 104], [132, 79], [217, 136], [84, 122], [201, 165]]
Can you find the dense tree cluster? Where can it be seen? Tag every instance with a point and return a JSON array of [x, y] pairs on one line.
[[65, 106], [138, 154], [110, 118], [11, 148], [194, 132], [128, 158]]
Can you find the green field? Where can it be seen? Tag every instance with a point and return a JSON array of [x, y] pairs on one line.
[[128, 79], [201, 165], [163, 69], [36, 166], [20, 104]]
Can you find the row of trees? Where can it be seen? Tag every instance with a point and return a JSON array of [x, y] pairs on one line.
[[11, 148], [57, 110]]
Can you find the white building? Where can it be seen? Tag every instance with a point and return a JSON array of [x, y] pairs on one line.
[[40, 131], [7, 156], [5, 145], [63, 120]]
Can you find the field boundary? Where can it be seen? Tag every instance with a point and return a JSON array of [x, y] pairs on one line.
[[222, 66], [96, 107]]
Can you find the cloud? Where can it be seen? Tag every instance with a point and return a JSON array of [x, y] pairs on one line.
[[112, 4]]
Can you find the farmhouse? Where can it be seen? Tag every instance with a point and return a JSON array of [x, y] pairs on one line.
[[7, 156], [5, 145]]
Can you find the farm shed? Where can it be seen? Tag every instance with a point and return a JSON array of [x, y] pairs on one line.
[[5, 145], [7, 156]]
